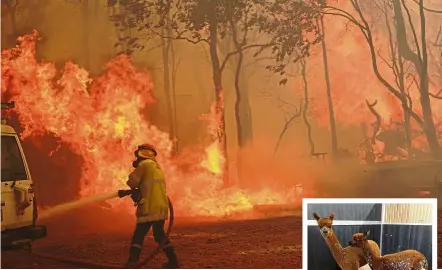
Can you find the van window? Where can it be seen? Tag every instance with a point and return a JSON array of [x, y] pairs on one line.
[[12, 162]]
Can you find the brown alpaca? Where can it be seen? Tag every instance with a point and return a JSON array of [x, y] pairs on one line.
[[404, 260], [349, 258]]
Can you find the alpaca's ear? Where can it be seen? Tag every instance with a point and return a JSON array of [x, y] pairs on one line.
[[367, 233], [316, 216], [332, 215]]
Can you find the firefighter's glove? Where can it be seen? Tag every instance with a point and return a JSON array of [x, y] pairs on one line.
[[135, 196], [123, 193]]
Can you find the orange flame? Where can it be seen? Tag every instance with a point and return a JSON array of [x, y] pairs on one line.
[[354, 82], [102, 118], [214, 160]]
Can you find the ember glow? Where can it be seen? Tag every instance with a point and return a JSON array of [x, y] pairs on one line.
[[103, 120]]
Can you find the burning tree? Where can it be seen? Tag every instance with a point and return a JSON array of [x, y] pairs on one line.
[[289, 26], [418, 57], [128, 44]]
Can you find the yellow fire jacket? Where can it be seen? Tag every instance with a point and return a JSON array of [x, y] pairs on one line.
[[149, 178]]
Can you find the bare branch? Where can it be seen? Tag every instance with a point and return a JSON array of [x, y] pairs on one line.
[[413, 30], [410, 101], [365, 29], [385, 61], [396, 67], [344, 14], [230, 54], [288, 121], [436, 96], [179, 36], [377, 125], [414, 79], [429, 9], [411, 84]]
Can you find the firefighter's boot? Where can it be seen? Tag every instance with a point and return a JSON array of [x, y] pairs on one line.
[[134, 255], [172, 260]]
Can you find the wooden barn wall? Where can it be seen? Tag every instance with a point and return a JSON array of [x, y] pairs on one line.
[[408, 213], [396, 236]]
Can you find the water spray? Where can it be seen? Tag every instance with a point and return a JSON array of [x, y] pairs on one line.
[[59, 209]]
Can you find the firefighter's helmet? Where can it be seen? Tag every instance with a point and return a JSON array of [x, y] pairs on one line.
[[146, 151]]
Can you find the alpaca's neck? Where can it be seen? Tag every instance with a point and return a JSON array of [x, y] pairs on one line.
[[335, 247], [369, 254]]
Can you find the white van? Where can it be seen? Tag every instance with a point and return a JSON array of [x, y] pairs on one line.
[[18, 205]]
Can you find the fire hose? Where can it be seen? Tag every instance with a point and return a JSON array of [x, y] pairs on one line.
[[134, 193]]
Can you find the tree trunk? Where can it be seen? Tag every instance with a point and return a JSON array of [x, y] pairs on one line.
[[420, 61], [243, 112], [334, 137], [240, 123], [173, 80], [405, 103], [305, 108], [239, 104], [167, 89], [219, 95], [86, 34], [430, 128], [245, 108], [242, 106], [281, 135], [378, 123], [427, 115], [398, 69]]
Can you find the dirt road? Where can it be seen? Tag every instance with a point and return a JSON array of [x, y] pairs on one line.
[[265, 243]]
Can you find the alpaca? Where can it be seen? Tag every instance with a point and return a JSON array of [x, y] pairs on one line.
[[404, 260], [348, 258]]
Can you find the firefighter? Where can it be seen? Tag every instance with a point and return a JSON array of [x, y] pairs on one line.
[[152, 205]]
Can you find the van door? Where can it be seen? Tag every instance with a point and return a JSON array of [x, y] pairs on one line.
[[16, 185]]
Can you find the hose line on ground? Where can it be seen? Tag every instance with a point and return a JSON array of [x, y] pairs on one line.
[[164, 242]]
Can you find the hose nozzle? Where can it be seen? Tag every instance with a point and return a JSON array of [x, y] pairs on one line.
[[124, 192]]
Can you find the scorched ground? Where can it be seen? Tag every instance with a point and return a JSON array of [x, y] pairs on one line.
[[104, 236]]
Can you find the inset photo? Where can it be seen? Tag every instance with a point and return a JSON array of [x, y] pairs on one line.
[[351, 234]]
